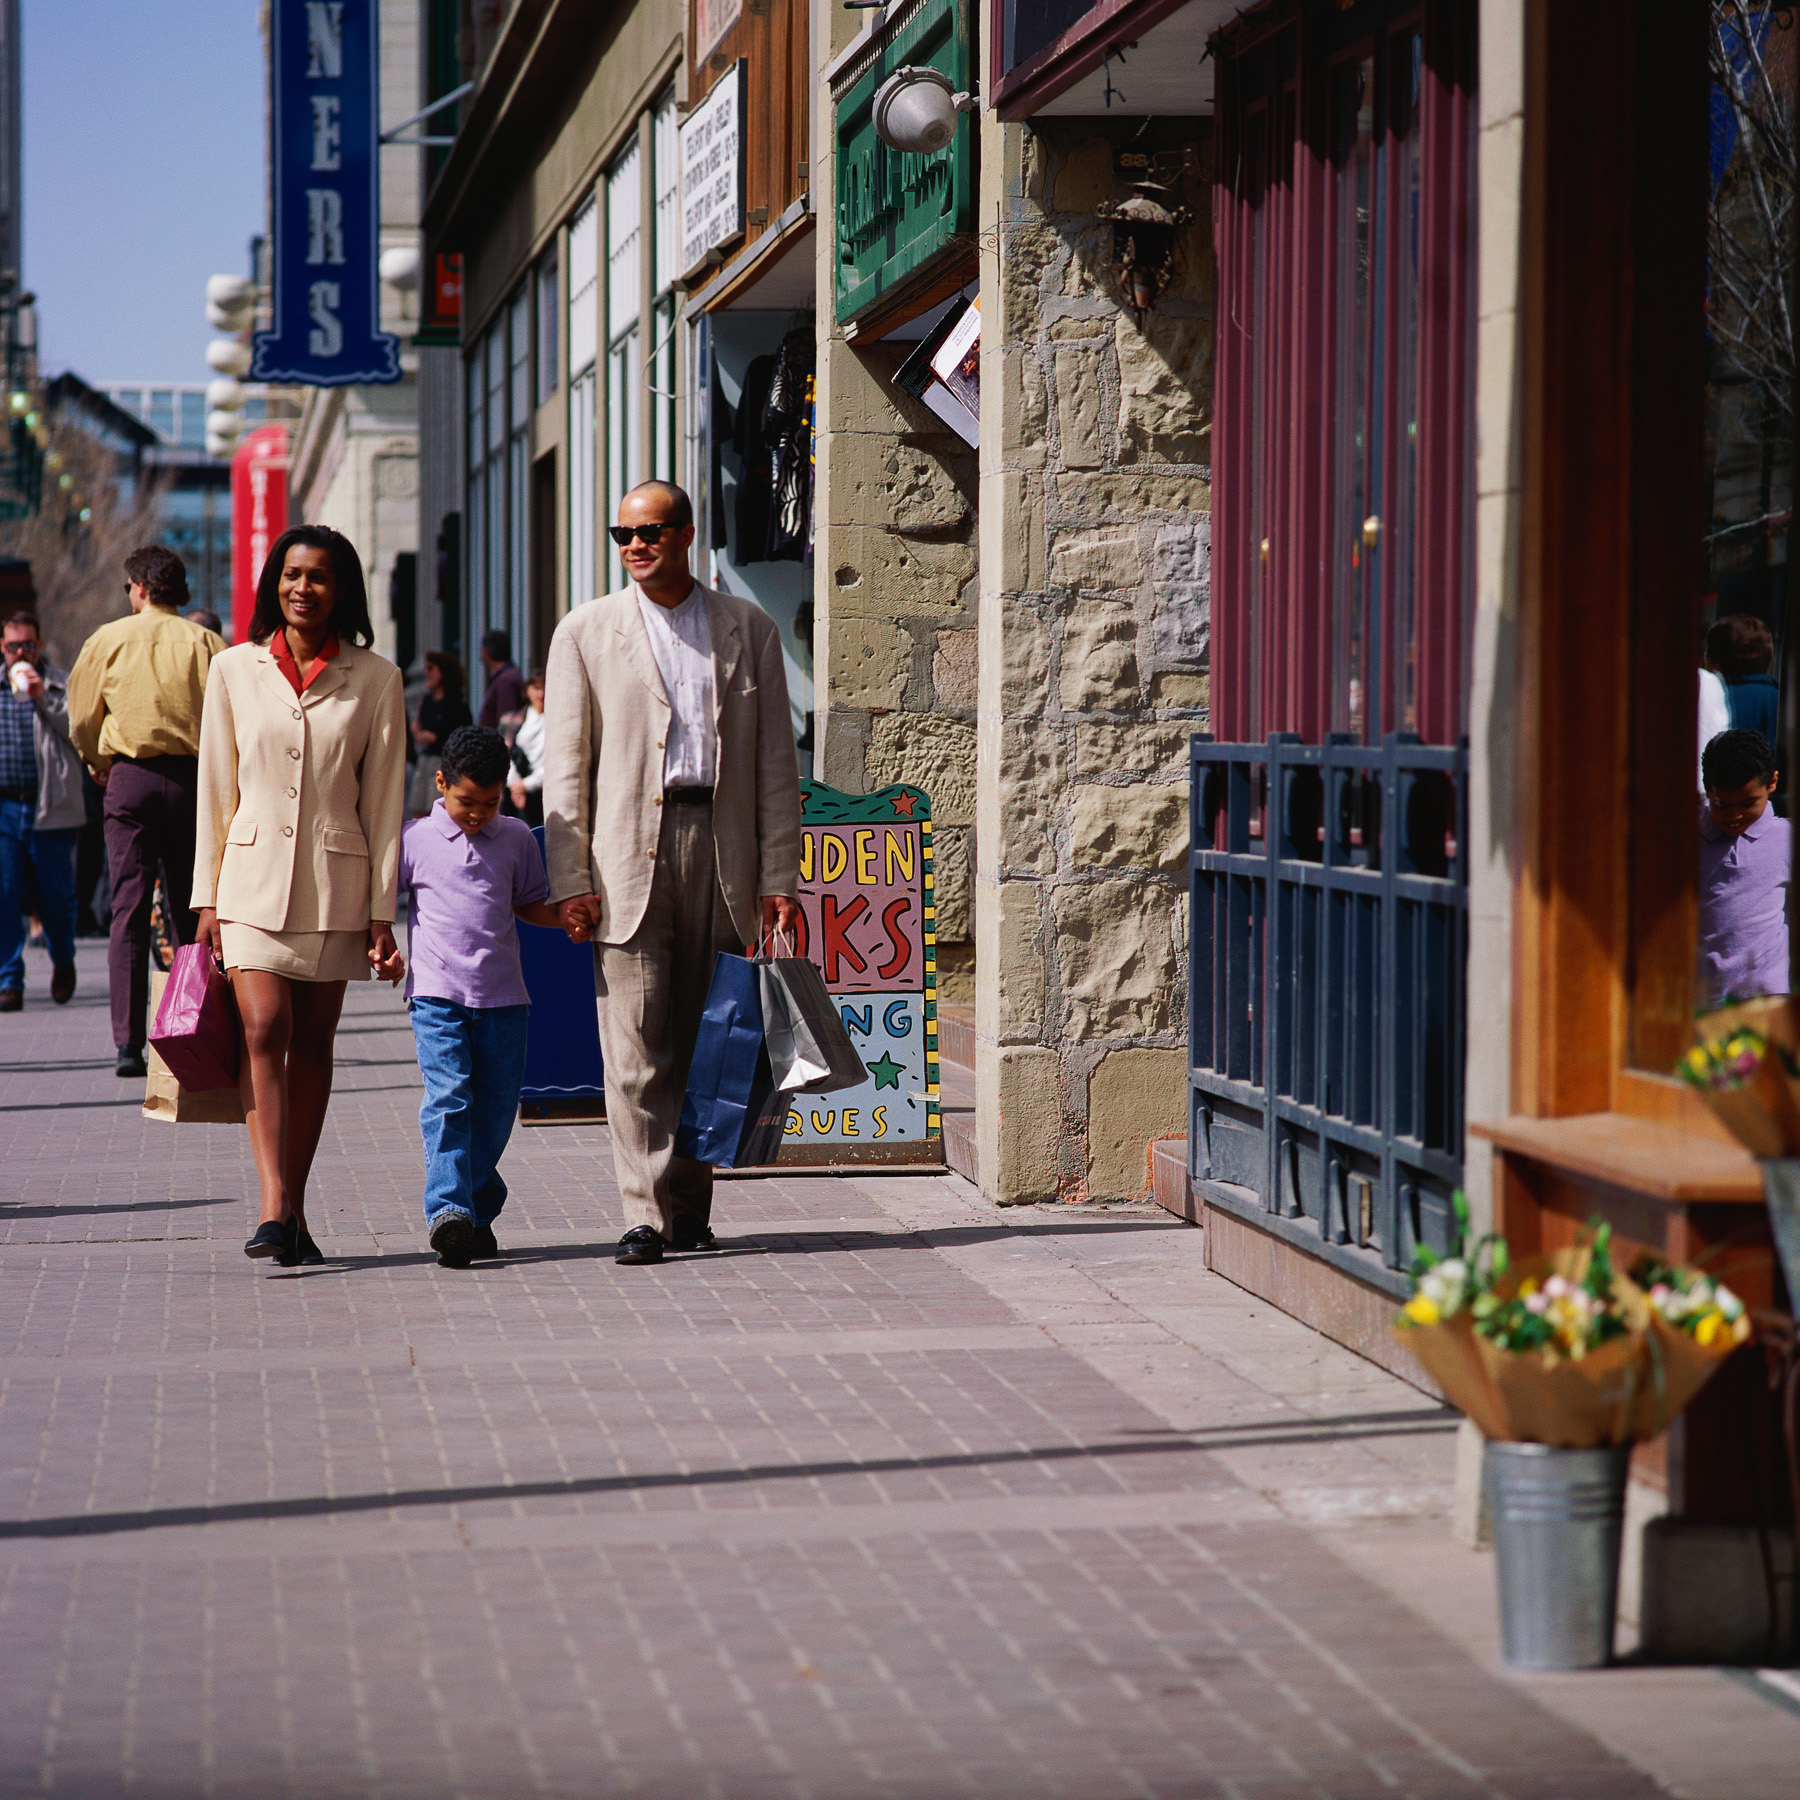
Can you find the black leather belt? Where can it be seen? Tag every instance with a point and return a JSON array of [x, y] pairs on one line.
[[688, 796], [28, 796]]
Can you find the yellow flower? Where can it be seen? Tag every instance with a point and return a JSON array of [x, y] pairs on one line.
[[1420, 1310], [1711, 1324]]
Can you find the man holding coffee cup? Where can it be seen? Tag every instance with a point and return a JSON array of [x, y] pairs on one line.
[[41, 811]]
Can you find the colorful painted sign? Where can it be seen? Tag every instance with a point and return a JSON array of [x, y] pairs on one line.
[[866, 898], [259, 515]]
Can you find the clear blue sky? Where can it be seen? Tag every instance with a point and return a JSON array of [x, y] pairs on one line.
[[143, 176]]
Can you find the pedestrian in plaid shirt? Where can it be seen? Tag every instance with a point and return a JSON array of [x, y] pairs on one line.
[[41, 811]]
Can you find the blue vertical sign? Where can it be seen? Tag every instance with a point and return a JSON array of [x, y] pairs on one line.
[[326, 128]]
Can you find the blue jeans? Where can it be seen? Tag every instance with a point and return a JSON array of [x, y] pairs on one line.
[[52, 858], [473, 1061]]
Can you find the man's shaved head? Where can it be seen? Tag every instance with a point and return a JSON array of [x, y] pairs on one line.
[[680, 509]]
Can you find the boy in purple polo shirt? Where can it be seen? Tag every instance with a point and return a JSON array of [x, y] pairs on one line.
[[470, 873], [1746, 862]]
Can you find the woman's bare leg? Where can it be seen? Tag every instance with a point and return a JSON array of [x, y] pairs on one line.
[[316, 1006], [266, 1007]]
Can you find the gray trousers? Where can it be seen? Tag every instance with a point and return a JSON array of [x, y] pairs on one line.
[[652, 991]]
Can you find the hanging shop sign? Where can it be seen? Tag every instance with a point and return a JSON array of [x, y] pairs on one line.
[[259, 515], [324, 128], [440, 315], [712, 19], [899, 211], [866, 901], [712, 168]]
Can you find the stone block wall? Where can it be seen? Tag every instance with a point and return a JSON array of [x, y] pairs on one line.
[[1093, 619], [894, 593]]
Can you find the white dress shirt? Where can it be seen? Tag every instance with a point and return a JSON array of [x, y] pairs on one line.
[[1715, 715], [681, 642]]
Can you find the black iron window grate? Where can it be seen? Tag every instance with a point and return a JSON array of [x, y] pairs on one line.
[[1328, 990]]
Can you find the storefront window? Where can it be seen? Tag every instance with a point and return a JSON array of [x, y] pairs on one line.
[[518, 468], [624, 246], [584, 303], [660, 376]]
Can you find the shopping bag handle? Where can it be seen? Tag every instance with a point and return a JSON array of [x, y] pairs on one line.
[[775, 933]]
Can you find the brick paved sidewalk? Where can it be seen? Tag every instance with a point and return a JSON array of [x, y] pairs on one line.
[[901, 1496]]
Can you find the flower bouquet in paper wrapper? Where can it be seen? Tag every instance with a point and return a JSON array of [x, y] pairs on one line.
[[1745, 1063], [1562, 1349]]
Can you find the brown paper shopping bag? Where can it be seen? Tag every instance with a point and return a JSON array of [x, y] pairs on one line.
[[166, 1099]]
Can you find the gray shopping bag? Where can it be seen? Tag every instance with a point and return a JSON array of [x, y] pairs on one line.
[[809, 1050]]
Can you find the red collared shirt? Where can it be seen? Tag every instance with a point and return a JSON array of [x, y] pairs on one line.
[[284, 661]]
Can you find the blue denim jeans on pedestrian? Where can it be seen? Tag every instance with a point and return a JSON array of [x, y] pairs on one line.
[[52, 858], [473, 1061]]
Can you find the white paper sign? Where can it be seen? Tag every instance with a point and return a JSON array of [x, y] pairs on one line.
[[712, 19], [712, 168]]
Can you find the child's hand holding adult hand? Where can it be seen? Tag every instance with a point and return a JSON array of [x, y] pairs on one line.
[[384, 954]]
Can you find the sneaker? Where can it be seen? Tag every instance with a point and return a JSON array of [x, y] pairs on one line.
[[453, 1238], [12, 999], [62, 984], [130, 1065], [640, 1245], [695, 1237], [482, 1247]]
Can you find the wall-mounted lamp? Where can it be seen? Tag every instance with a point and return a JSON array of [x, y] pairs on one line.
[[915, 109], [1146, 233]]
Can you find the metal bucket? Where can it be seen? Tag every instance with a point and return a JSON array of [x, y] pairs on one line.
[[1557, 1518]]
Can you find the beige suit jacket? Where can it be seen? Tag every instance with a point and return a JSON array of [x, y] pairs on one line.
[[606, 717], [301, 796]]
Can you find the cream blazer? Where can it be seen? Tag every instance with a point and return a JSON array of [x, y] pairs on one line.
[[300, 796], [606, 716]]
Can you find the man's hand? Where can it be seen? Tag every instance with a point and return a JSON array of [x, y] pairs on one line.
[[384, 954], [34, 682], [781, 915], [580, 915], [517, 791], [206, 931]]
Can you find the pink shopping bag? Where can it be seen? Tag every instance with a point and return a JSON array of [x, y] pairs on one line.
[[196, 1031]]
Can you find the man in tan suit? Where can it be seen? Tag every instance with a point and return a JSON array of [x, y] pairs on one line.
[[672, 825]]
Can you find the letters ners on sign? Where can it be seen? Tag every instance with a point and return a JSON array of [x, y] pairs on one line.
[[866, 898], [324, 132]]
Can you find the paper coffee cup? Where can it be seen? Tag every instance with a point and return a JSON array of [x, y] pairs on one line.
[[19, 674]]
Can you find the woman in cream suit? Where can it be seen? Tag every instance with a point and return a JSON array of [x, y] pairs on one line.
[[297, 847]]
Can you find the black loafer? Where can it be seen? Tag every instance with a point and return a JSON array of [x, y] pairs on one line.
[[12, 999], [640, 1245], [130, 1065], [305, 1250], [482, 1244], [453, 1238], [272, 1239], [62, 984], [695, 1237]]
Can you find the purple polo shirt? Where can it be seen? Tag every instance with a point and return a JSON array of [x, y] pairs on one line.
[[462, 942], [1743, 908]]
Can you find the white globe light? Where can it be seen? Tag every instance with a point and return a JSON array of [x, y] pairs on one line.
[[225, 394], [915, 109], [400, 268], [229, 318], [233, 292], [228, 357], [220, 423], [219, 446]]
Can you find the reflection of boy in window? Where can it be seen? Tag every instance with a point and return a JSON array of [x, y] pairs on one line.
[[1742, 649], [1745, 857]]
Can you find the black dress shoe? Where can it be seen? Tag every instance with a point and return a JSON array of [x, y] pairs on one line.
[[640, 1245], [695, 1237], [482, 1244], [453, 1238], [305, 1250], [273, 1238], [130, 1065], [62, 984], [12, 999]]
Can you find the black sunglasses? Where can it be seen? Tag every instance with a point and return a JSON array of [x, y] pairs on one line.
[[623, 534]]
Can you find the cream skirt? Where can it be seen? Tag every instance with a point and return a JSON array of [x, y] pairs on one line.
[[299, 955]]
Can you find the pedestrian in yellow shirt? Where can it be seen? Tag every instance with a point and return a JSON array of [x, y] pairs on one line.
[[134, 718]]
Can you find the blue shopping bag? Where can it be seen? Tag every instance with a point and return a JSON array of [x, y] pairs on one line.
[[732, 1116], [564, 1074]]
